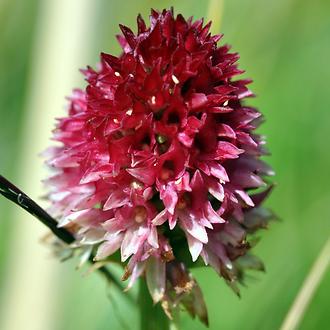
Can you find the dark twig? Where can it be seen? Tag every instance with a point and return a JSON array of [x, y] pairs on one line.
[[11, 192]]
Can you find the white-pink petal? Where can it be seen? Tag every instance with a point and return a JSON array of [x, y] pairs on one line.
[[170, 198], [116, 199], [143, 174], [195, 247], [153, 237], [245, 197], [96, 173], [211, 215], [138, 269], [160, 218], [93, 236], [73, 216], [112, 226], [130, 244], [156, 278], [110, 246], [218, 171], [192, 226], [216, 190]]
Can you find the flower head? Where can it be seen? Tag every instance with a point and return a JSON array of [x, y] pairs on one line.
[[158, 155]]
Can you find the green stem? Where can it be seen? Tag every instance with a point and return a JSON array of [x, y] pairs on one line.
[[151, 316], [308, 289]]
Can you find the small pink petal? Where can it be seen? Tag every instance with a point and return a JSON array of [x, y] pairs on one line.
[[185, 139], [116, 199], [130, 244], [195, 247], [197, 100], [172, 220], [96, 173], [160, 218], [143, 174], [227, 150], [245, 197], [113, 226], [153, 237], [170, 198], [216, 190], [226, 131], [211, 215], [192, 226], [74, 216], [110, 246], [218, 171], [138, 270], [93, 236]]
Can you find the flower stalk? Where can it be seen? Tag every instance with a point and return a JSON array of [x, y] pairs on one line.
[[151, 316]]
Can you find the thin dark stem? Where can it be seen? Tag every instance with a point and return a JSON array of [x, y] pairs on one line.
[[110, 277], [11, 192]]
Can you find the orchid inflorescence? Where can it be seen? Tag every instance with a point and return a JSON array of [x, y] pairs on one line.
[[158, 161]]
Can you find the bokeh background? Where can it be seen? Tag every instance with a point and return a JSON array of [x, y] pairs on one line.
[[284, 46]]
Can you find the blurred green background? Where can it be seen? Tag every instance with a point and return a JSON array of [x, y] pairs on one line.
[[284, 46]]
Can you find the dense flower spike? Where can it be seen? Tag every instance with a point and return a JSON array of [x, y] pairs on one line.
[[158, 155]]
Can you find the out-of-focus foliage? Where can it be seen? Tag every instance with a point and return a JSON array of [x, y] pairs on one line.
[[284, 46], [17, 24]]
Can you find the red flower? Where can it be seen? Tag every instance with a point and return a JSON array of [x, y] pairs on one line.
[[161, 140]]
